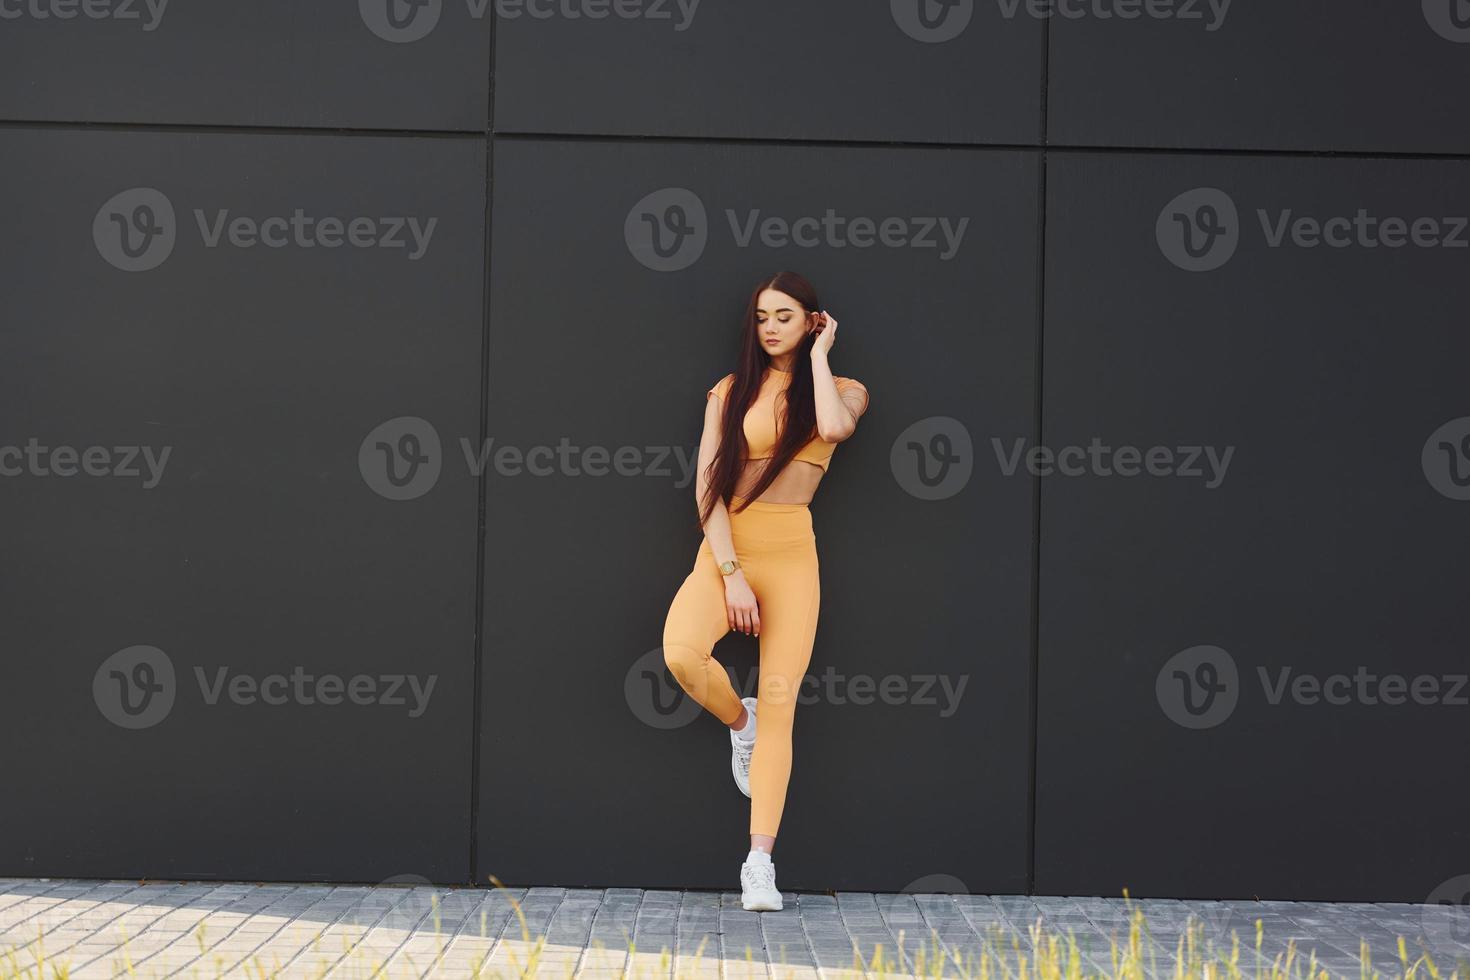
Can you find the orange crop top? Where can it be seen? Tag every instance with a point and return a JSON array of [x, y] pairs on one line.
[[760, 420]]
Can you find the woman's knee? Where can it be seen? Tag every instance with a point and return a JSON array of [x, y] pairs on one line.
[[777, 697], [686, 661], [680, 652]]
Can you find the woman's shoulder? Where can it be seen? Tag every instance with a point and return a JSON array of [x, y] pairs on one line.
[[721, 387], [845, 385]]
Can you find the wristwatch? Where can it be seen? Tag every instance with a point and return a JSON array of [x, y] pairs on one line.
[[728, 567]]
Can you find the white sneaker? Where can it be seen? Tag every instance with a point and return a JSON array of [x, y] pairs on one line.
[[740, 751], [758, 892]]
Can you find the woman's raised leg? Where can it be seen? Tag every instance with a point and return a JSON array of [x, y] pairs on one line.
[[696, 621]]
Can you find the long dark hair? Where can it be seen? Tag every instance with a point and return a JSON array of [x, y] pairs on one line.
[[798, 424]]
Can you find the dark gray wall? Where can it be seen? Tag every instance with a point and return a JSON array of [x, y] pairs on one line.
[[581, 566], [1072, 662], [265, 63], [768, 69], [1320, 547], [1329, 75], [258, 545]]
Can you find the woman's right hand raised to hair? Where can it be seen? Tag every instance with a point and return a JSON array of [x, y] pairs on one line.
[[741, 610]]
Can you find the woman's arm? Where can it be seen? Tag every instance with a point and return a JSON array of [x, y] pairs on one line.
[[741, 609], [717, 528], [838, 406]]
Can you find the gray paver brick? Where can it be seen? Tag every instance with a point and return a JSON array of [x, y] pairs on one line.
[[441, 932]]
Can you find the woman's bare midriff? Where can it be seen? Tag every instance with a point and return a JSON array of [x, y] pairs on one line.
[[796, 484]]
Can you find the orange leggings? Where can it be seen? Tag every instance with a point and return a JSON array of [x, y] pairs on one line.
[[777, 551]]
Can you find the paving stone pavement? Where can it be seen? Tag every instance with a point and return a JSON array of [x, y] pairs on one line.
[[106, 928]]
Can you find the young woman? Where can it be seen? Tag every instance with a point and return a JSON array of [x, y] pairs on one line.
[[769, 432]]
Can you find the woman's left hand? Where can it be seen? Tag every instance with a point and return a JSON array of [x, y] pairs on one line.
[[826, 331]]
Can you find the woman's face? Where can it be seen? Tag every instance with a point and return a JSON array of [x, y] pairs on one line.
[[780, 322]]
